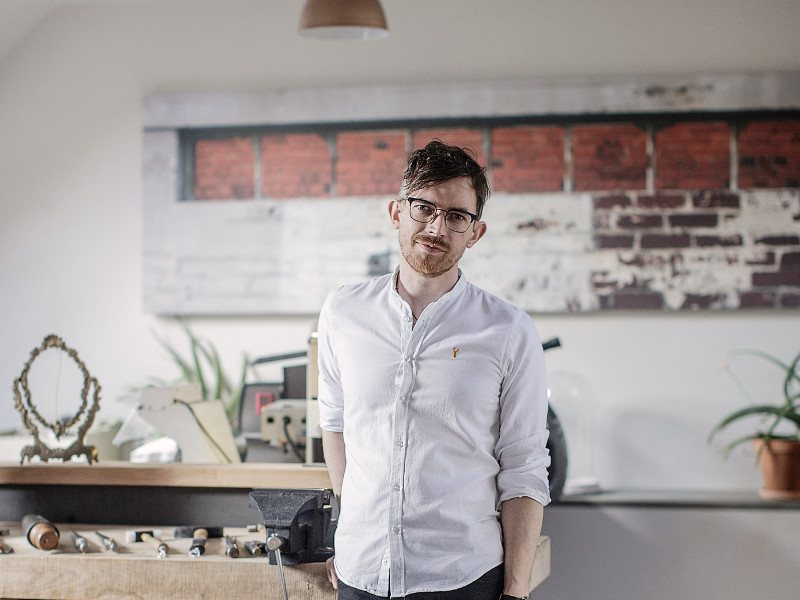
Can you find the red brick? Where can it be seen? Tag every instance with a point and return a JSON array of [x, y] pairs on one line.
[[702, 301], [778, 278], [471, 139], [769, 154], [370, 162], [528, 159], [790, 300], [613, 241], [707, 241], [693, 220], [609, 202], [640, 221], [756, 300], [636, 300], [295, 165], [654, 240], [609, 157], [779, 240], [693, 155], [224, 169], [790, 260], [715, 199], [662, 201]]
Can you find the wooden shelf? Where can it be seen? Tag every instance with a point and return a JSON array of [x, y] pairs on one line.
[[116, 473]]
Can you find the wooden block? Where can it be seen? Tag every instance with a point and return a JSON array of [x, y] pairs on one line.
[[66, 574], [541, 564]]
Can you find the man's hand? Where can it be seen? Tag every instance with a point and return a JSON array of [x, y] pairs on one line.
[[332, 573]]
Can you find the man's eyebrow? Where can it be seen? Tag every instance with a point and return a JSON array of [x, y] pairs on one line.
[[432, 204]]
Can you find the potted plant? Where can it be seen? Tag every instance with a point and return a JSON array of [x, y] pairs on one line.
[[776, 436], [203, 366]]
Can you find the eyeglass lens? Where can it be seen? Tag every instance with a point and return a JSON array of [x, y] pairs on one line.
[[455, 220]]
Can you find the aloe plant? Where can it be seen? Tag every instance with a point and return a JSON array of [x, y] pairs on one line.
[[772, 415], [204, 366]]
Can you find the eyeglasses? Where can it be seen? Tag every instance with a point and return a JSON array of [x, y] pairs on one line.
[[455, 219]]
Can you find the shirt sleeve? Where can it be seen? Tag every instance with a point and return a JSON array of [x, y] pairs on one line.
[[329, 392], [521, 448]]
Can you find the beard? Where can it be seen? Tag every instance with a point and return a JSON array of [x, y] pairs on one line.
[[429, 265]]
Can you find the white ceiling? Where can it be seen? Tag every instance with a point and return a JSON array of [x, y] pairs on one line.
[[464, 39], [20, 17]]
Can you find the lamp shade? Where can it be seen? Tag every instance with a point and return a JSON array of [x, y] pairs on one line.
[[343, 19]]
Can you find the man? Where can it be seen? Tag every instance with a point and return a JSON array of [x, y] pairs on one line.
[[433, 407]]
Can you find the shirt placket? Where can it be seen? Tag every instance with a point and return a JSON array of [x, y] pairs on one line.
[[410, 340]]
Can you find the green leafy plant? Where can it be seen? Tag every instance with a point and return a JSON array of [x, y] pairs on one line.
[[771, 416], [203, 366]]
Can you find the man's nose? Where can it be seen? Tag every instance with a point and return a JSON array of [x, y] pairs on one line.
[[436, 225]]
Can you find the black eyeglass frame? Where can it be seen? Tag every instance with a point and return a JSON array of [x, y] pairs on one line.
[[437, 210]]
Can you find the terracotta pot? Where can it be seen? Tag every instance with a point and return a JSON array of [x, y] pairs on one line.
[[780, 468]]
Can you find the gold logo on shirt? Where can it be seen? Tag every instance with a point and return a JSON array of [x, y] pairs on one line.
[[455, 352]]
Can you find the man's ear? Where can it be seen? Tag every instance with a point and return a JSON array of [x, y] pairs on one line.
[[395, 206], [478, 230]]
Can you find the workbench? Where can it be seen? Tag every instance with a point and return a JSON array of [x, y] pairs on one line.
[[117, 497], [136, 572]]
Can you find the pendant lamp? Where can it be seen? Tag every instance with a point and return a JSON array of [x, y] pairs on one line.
[[343, 20]]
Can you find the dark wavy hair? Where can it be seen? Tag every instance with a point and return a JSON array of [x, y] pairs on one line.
[[438, 162]]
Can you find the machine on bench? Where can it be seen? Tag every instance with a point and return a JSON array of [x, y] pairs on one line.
[[290, 411]]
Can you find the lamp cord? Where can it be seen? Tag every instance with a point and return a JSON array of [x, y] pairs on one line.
[[203, 429]]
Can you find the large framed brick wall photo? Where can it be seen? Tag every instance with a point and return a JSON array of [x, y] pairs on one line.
[[644, 194]]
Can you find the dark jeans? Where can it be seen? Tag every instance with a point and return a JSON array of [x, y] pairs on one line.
[[488, 587]]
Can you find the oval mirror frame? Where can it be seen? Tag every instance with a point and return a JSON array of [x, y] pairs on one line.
[[34, 421]]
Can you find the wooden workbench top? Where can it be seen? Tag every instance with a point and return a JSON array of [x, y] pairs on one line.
[[117, 473], [135, 572]]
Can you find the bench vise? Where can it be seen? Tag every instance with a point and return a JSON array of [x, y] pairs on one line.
[[300, 519]]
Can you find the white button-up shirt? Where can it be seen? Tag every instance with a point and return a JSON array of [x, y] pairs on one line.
[[442, 422]]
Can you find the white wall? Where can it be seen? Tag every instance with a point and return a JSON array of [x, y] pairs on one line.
[[70, 201]]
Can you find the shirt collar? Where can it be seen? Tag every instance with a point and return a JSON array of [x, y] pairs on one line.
[[457, 290]]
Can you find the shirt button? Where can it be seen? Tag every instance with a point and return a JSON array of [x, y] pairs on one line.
[[403, 399], [406, 318], [396, 487], [395, 529], [408, 359], [399, 442]]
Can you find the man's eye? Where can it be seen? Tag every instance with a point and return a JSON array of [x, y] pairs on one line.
[[424, 209], [457, 217]]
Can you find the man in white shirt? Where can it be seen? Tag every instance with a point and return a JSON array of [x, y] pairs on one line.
[[433, 407]]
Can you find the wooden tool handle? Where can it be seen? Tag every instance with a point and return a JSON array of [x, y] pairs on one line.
[[159, 546], [43, 536]]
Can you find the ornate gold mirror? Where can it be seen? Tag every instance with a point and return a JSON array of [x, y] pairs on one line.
[[64, 414]]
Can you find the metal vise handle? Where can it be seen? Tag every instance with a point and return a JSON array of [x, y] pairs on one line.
[[274, 543]]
